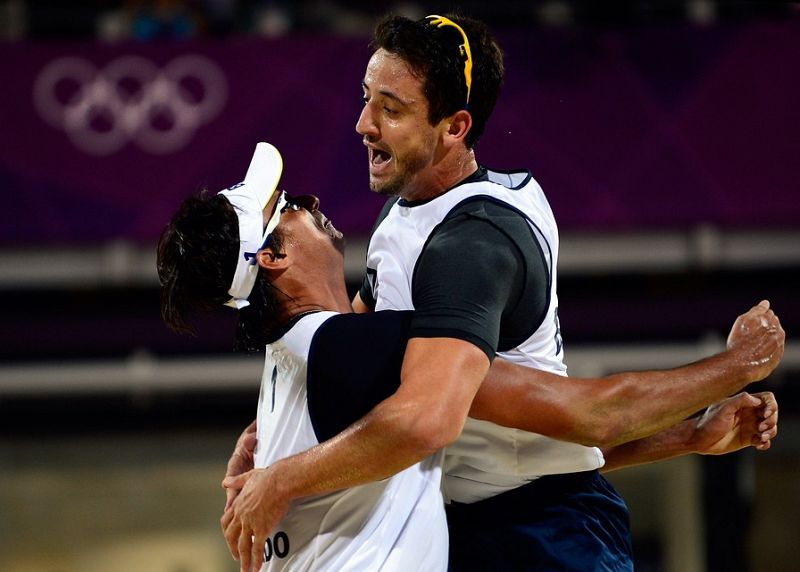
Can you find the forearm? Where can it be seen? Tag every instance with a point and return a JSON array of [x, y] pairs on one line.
[[672, 442], [425, 414], [629, 406], [374, 448], [639, 404], [604, 411]]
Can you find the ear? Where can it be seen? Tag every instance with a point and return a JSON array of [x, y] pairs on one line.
[[458, 125], [272, 261]]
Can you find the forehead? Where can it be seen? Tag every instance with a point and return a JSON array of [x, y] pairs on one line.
[[387, 72]]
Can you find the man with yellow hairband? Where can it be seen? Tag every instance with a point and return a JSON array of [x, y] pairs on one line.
[[474, 252]]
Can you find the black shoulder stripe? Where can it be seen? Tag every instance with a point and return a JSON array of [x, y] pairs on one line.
[[354, 363]]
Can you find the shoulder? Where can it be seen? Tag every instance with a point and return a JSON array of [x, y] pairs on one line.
[[345, 330], [354, 364], [481, 222]]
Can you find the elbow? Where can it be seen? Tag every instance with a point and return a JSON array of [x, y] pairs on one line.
[[604, 419], [601, 435], [428, 432], [603, 430], [434, 434], [416, 429]]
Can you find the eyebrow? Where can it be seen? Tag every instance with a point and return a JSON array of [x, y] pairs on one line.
[[389, 94]]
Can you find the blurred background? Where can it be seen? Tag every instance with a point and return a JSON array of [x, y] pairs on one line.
[[664, 132]]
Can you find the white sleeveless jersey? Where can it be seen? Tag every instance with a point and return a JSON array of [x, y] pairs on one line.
[[487, 459], [397, 524]]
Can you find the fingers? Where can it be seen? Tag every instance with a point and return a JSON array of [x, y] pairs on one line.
[[769, 411], [226, 519], [759, 309], [770, 403], [245, 546], [738, 402], [232, 534], [763, 441], [249, 441], [230, 496], [236, 481], [257, 557], [768, 426], [744, 399]]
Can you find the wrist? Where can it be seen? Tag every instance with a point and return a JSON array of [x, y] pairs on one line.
[[281, 482], [736, 369], [694, 443], [700, 441]]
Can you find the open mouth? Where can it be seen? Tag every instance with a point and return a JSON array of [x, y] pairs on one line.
[[325, 225], [378, 158]]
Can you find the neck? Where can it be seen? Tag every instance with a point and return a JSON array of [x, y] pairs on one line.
[[302, 298], [447, 172]]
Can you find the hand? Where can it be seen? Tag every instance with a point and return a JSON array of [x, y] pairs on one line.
[[241, 460], [756, 340], [737, 422], [255, 513]]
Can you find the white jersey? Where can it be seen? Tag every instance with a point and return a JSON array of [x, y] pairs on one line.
[[397, 524], [487, 459]]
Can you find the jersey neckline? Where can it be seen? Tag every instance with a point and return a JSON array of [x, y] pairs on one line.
[[479, 175]]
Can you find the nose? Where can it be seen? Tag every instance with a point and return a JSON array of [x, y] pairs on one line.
[[365, 126], [308, 202]]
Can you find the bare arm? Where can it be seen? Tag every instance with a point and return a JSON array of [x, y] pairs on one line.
[[743, 420], [438, 382], [628, 406]]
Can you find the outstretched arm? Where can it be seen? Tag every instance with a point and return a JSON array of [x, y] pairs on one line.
[[623, 407], [743, 420]]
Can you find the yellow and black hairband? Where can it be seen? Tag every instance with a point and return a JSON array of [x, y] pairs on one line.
[[441, 21]]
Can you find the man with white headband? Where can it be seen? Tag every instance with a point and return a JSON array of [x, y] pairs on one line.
[[289, 273], [318, 380]]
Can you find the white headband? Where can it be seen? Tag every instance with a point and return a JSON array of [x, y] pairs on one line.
[[249, 198]]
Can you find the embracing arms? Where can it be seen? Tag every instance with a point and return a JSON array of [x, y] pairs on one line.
[[623, 407], [438, 381]]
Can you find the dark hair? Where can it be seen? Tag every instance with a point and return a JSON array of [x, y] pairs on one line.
[[196, 261], [433, 54]]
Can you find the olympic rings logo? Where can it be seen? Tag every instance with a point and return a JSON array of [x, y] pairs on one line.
[[130, 100]]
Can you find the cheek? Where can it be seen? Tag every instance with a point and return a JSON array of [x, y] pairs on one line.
[[418, 144], [425, 155]]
